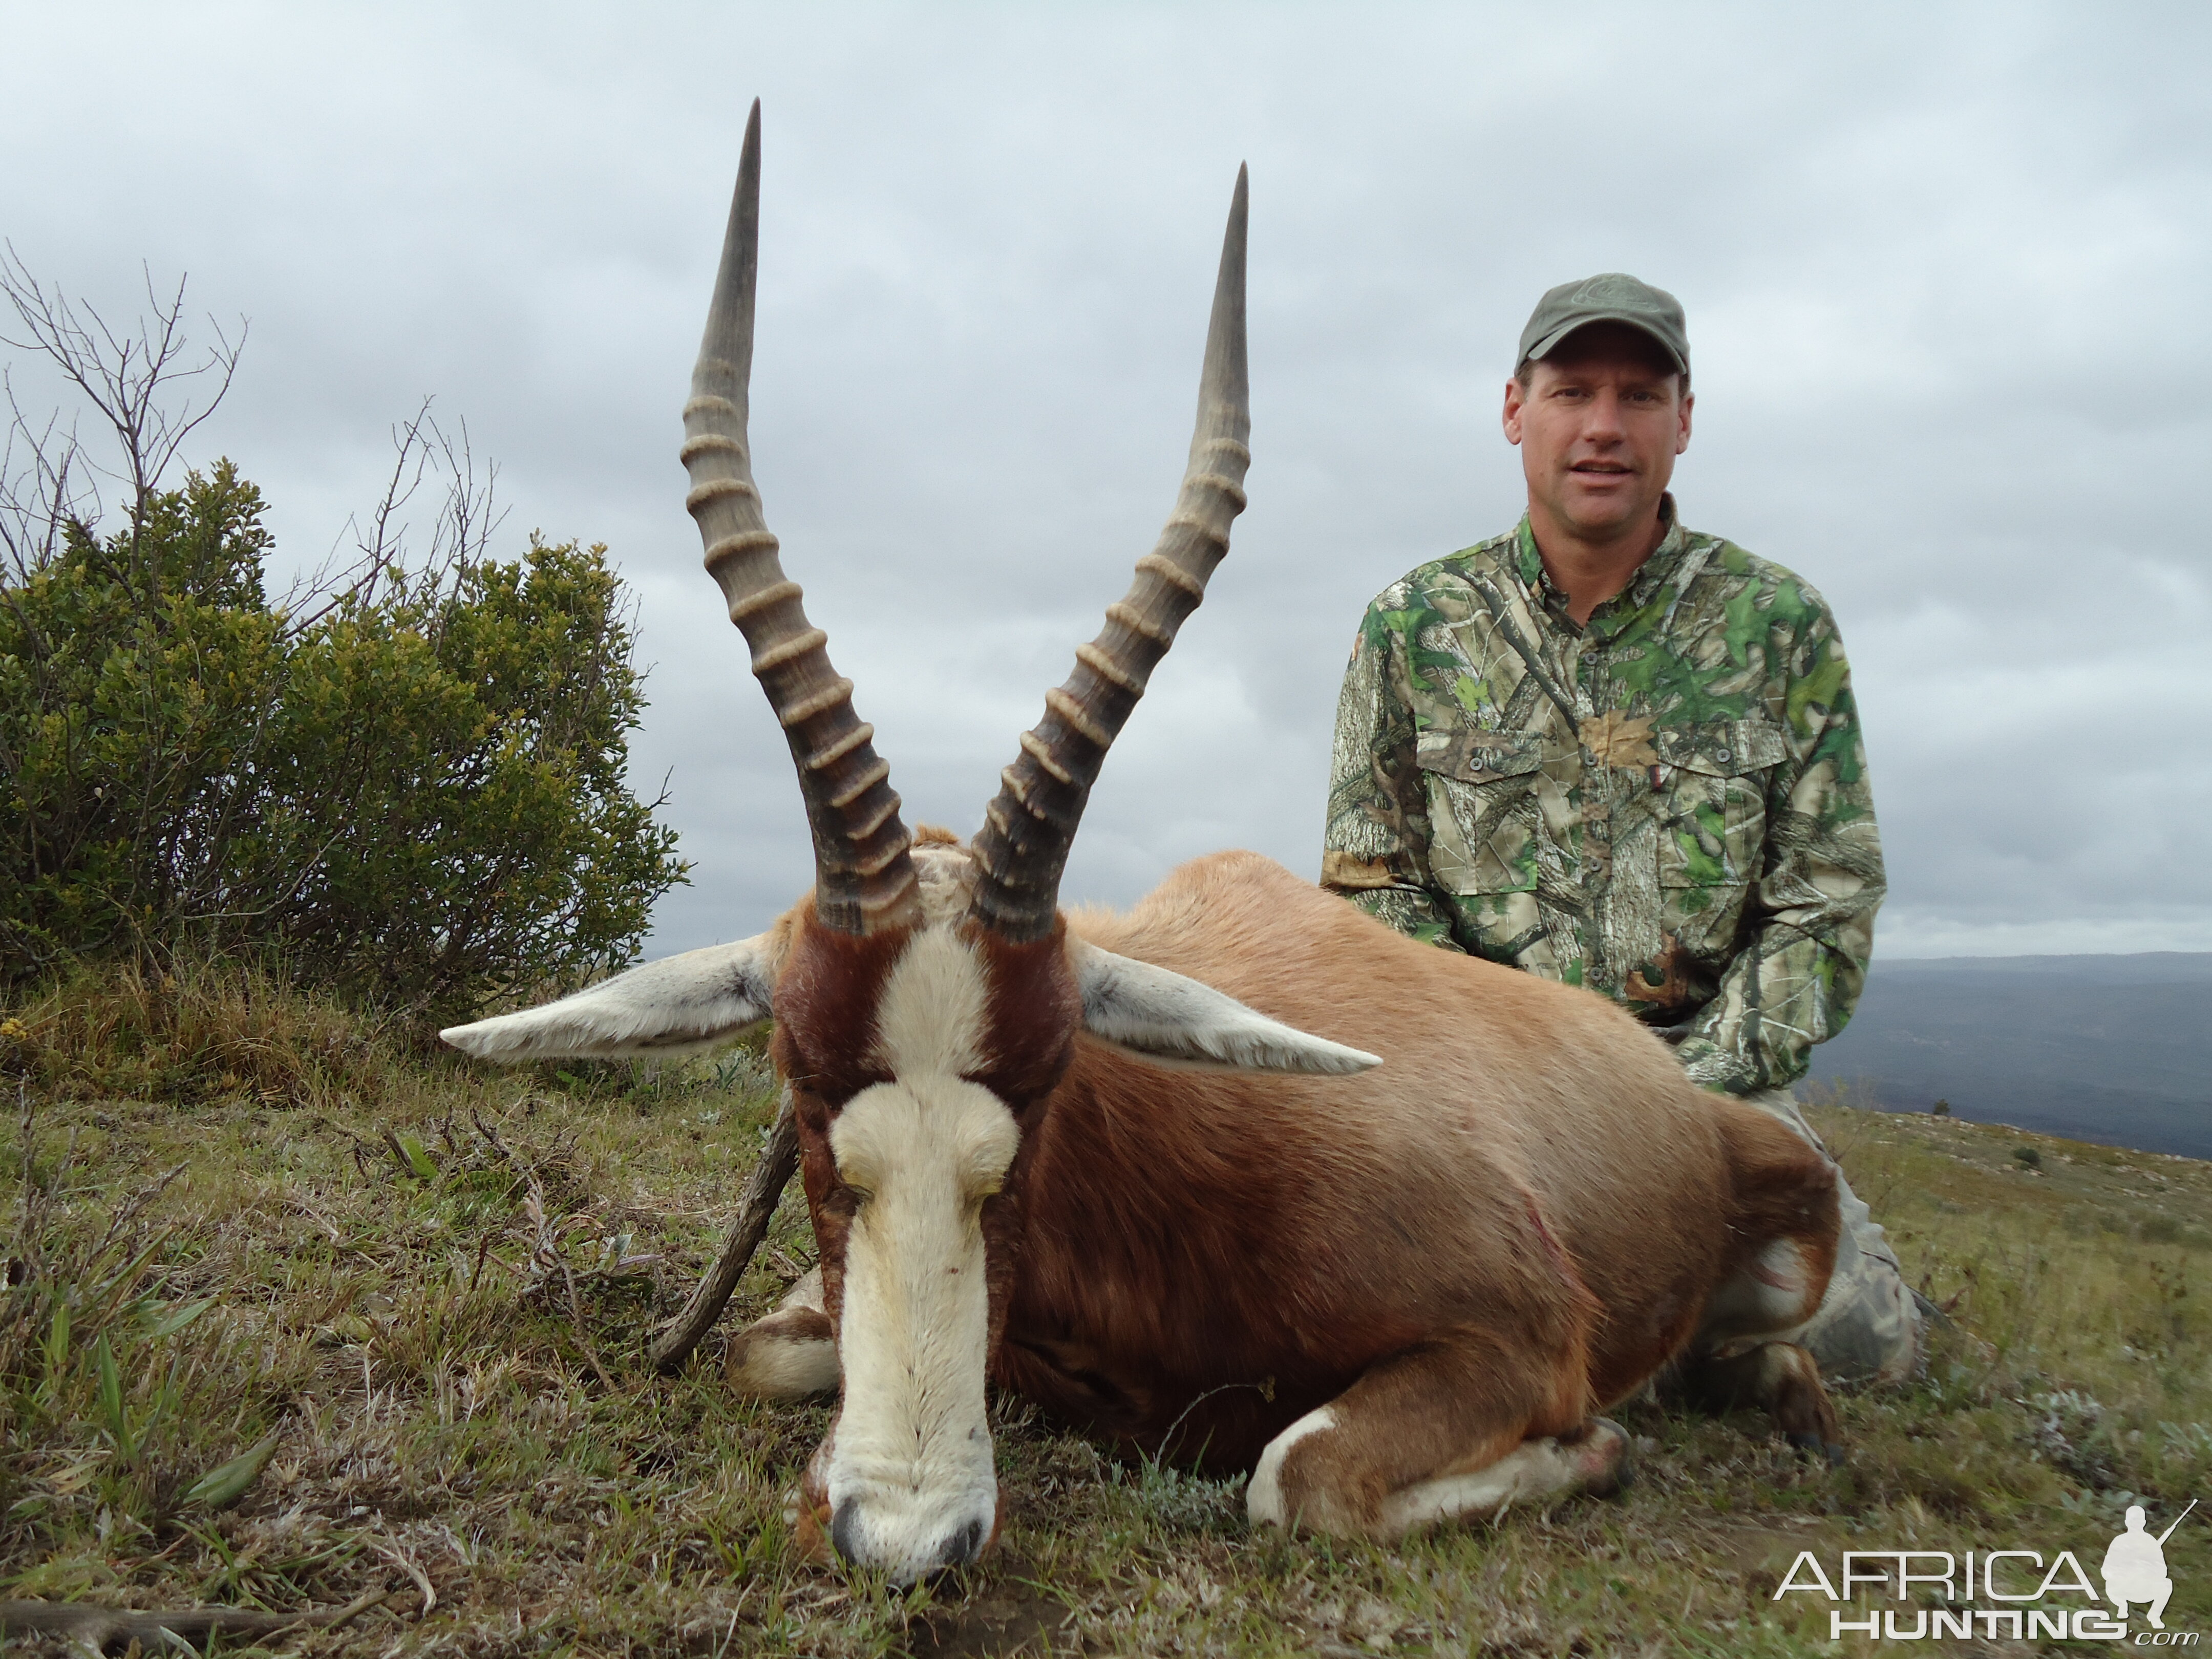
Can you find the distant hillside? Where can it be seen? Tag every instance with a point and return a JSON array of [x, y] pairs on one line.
[[2116, 1049]]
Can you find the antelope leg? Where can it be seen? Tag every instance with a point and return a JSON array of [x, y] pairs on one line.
[[1460, 1427]]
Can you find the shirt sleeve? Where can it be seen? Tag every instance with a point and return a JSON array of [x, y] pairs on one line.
[[1809, 926], [1375, 845]]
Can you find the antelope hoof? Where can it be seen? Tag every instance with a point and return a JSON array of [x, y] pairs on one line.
[[1813, 1445], [1602, 1459]]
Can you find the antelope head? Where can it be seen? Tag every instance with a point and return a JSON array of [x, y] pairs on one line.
[[927, 999]]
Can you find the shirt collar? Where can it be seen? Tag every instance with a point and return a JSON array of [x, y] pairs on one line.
[[1658, 570]]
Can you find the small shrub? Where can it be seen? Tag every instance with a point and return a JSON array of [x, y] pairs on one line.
[[2027, 1157], [1941, 1108], [406, 779], [421, 794]]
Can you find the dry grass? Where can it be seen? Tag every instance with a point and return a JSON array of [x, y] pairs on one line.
[[246, 1224]]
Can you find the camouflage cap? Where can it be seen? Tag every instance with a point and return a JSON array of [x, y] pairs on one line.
[[1610, 297]]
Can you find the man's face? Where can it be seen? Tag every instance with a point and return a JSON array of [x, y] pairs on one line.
[[1599, 426]]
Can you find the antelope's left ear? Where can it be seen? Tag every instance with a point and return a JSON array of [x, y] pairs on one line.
[[1176, 1021], [677, 1005]]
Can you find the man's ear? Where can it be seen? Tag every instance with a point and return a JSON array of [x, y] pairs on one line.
[[1175, 1020], [677, 1005]]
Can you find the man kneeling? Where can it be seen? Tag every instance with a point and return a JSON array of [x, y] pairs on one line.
[[1610, 750]]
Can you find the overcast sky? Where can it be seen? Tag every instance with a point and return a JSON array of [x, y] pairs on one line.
[[1948, 273]]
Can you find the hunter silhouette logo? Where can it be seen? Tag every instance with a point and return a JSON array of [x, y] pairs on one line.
[[2135, 1567]]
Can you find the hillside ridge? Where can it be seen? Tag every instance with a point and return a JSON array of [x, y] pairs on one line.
[[2111, 1048]]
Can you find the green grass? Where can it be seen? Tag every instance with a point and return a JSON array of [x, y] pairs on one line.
[[244, 1222]]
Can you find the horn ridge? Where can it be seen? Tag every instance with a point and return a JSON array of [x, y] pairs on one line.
[[864, 874], [1029, 828]]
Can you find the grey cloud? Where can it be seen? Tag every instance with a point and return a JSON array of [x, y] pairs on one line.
[[1944, 272]]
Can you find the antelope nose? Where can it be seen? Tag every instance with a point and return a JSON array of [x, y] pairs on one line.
[[907, 1562], [842, 1530], [964, 1547]]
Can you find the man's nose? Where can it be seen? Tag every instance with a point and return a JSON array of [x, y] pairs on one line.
[[1603, 420]]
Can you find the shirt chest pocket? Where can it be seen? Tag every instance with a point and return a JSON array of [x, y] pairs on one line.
[[1488, 823], [1710, 786]]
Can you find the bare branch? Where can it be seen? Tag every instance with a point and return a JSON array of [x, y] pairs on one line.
[[472, 515], [379, 547], [134, 380], [43, 487], [460, 536], [129, 380]]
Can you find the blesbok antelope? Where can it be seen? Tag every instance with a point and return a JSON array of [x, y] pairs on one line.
[[1146, 1170]]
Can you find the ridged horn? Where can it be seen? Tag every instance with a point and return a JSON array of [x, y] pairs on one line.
[[864, 880], [1027, 829]]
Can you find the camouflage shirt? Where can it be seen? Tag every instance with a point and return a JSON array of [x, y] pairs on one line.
[[1668, 803]]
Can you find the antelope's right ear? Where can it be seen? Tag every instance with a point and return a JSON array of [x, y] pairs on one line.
[[677, 1005]]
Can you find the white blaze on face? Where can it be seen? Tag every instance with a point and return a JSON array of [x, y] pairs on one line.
[[911, 1484]]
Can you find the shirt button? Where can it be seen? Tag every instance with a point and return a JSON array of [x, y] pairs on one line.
[[1721, 755]]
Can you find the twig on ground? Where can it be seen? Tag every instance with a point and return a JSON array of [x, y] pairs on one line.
[[102, 1628], [756, 1209], [576, 1313], [407, 1565], [491, 1136]]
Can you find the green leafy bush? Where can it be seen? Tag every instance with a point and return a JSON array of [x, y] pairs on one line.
[[418, 790]]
